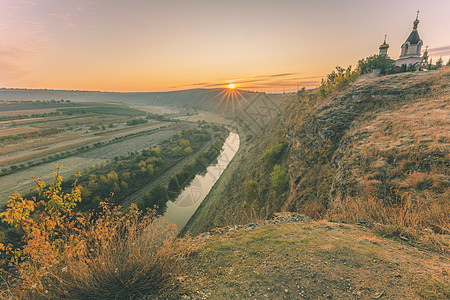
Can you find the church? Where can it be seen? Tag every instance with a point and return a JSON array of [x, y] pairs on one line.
[[410, 55]]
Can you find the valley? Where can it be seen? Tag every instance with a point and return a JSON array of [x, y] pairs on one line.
[[365, 164]]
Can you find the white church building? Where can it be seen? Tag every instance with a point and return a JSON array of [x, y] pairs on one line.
[[410, 51]]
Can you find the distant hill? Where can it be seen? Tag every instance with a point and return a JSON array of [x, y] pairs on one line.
[[196, 97], [252, 110]]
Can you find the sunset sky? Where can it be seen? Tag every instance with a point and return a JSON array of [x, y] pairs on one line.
[[150, 45]]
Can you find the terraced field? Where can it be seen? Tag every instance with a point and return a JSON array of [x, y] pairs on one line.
[[21, 181], [84, 139]]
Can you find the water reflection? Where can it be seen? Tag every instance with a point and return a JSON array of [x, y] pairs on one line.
[[184, 206]]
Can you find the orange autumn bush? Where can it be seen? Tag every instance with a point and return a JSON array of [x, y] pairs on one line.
[[108, 254]]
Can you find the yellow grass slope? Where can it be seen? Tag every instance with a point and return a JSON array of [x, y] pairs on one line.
[[379, 151]]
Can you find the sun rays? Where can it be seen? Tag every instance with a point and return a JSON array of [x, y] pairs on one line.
[[229, 96]]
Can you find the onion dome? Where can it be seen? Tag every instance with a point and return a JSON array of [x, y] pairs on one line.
[[384, 45]]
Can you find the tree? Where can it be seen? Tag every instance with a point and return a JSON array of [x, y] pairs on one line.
[[301, 92], [448, 63], [376, 62], [439, 63]]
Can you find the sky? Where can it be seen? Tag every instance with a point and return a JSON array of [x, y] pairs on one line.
[[165, 45]]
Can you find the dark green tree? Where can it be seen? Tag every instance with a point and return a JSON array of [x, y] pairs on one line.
[[403, 68], [439, 63], [376, 62]]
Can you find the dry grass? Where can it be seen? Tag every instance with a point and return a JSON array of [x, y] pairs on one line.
[[16, 130], [27, 112], [423, 221], [118, 256], [38, 142], [244, 216], [314, 260], [27, 155]]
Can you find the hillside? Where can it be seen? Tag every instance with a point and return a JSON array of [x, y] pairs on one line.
[[376, 151]]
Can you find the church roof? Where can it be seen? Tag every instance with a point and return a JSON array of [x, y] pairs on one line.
[[413, 37]]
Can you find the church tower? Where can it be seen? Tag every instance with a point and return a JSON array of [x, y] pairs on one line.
[[424, 60], [411, 49], [384, 48]]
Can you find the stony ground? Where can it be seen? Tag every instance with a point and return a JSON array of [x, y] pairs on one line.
[[293, 257]]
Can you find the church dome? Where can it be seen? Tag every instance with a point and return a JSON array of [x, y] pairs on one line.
[[384, 46]]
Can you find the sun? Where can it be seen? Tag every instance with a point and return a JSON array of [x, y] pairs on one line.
[[231, 86]]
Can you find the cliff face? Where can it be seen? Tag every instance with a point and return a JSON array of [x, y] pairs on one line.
[[385, 138]]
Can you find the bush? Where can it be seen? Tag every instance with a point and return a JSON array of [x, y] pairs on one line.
[[136, 122], [251, 192], [280, 179], [108, 255], [337, 80], [273, 154]]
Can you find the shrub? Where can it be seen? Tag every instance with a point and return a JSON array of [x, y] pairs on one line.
[[251, 192], [273, 154], [136, 122], [337, 80], [280, 179], [108, 255]]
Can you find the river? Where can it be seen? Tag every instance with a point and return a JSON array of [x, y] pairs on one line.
[[184, 206]]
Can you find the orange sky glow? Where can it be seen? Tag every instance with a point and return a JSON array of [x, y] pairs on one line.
[[156, 45]]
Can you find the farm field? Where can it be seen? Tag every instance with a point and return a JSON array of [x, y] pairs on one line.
[[25, 137], [77, 138], [34, 107], [21, 181], [23, 152]]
